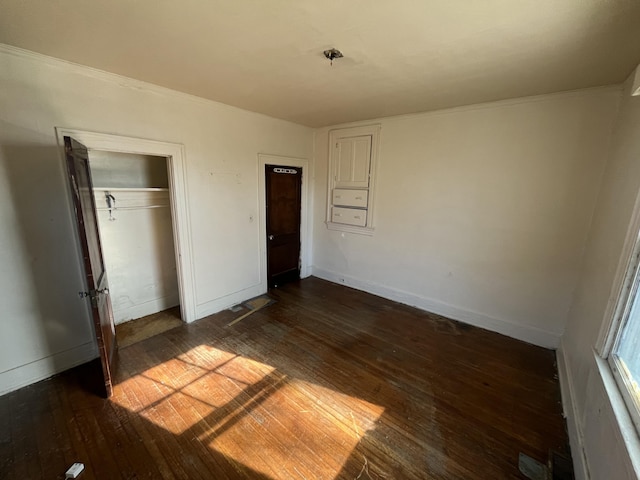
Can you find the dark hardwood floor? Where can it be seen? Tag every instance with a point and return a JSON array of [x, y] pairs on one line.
[[326, 383]]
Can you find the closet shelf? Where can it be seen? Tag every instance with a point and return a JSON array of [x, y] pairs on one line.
[[130, 189], [141, 207]]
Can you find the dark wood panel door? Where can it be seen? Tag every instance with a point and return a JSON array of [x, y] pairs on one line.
[[97, 286], [283, 186]]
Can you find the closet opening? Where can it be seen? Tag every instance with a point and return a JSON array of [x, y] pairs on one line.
[[133, 203]]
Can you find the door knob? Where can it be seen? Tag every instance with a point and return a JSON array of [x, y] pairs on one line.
[[270, 237], [93, 293]]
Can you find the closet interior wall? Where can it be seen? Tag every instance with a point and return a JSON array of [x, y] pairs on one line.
[[134, 218]]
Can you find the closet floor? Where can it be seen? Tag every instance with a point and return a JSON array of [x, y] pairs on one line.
[[140, 329]]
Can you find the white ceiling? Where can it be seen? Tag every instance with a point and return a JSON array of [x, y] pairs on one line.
[[401, 56]]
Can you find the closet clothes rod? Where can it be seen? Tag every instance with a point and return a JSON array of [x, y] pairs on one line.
[[131, 208]]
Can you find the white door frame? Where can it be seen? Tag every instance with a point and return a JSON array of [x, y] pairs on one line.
[[176, 169], [305, 244]]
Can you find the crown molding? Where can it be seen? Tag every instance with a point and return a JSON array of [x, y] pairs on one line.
[[615, 89], [125, 82]]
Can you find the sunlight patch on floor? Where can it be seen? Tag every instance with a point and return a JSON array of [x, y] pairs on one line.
[[197, 380], [281, 436], [174, 373], [250, 412]]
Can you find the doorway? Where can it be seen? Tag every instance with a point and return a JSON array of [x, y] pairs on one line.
[[304, 256], [82, 202], [131, 193], [283, 200], [174, 156]]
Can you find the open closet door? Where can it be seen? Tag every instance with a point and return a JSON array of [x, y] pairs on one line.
[[93, 260]]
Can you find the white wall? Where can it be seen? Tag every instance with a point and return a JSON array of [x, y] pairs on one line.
[[591, 418], [128, 170], [137, 234], [139, 253], [44, 325], [481, 213]]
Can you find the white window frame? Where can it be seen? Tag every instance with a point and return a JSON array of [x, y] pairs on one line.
[[625, 287], [334, 135]]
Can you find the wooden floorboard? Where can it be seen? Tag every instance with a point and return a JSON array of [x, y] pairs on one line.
[[326, 383], [134, 331]]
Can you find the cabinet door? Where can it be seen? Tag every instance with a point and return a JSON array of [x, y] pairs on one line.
[[352, 161]]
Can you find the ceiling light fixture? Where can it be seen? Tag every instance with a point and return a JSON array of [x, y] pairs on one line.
[[333, 53]]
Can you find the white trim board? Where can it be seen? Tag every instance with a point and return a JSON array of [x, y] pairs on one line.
[[226, 301], [124, 315], [604, 409], [527, 334], [620, 418], [42, 368], [305, 223], [176, 166], [570, 412]]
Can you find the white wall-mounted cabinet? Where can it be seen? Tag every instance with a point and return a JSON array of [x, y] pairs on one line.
[[352, 159]]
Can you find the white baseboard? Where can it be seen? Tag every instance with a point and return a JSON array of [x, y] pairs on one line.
[[306, 271], [222, 303], [525, 333], [144, 309], [574, 426], [46, 367]]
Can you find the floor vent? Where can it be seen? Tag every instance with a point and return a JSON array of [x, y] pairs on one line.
[[558, 468]]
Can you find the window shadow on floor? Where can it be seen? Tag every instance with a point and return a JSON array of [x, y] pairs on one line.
[[326, 383]]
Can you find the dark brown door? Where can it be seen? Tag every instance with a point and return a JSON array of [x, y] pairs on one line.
[[97, 288], [283, 187]]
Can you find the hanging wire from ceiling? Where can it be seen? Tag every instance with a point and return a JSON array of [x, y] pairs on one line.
[[332, 54]]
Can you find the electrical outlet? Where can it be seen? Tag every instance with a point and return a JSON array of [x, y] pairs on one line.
[[75, 470]]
